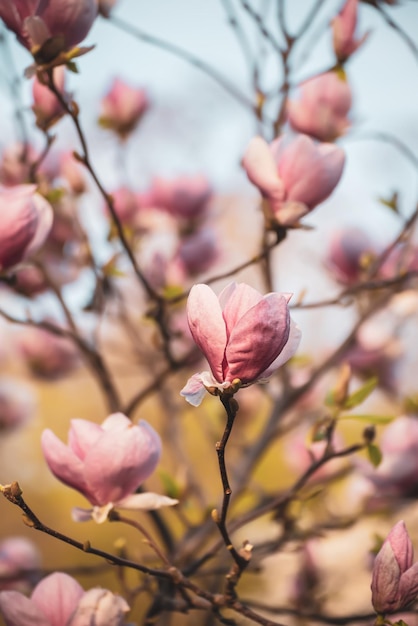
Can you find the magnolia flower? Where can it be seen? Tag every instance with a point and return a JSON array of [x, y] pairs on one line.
[[47, 355], [126, 205], [26, 219], [322, 108], [106, 464], [244, 336], [20, 562], [123, 107], [293, 174], [343, 31], [347, 255], [47, 108], [397, 474], [59, 600], [35, 22], [395, 575], [184, 197], [17, 404]]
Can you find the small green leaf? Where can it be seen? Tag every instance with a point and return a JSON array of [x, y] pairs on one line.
[[375, 454], [172, 489], [361, 394], [330, 398], [391, 203], [370, 419], [72, 67], [399, 623]]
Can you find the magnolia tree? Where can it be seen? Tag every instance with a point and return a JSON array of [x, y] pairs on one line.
[[254, 475]]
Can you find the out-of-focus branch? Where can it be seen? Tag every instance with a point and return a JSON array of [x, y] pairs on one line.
[[186, 56]]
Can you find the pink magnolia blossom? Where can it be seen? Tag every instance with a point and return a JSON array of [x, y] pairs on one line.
[[199, 251], [71, 171], [15, 164], [48, 110], [17, 405], [244, 336], [59, 600], [397, 474], [35, 21], [184, 197], [126, 205], [348, 251], [122, 108], [395, 575], [26, 219], [20, 562], [322, 108], [344, 30], [47, 355], [106, 464], [293, 174]]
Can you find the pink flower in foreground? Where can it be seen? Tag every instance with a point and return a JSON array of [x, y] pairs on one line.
[[25, 221], [344, 30], [48, 110], [184, 197], [34, 22], [123, 107], [294, 174], [244, 336], [395, 575], [59, 600], [17, 405], [106, 464], [322, 108]]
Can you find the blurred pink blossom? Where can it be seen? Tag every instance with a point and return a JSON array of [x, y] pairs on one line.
[[126, 205], [26, 219], [322, 108], [20, 562], [47, 355], [395, 575], [71, 171], [59, 600], [184, 197], [344, 31], [348, 251], [122, 108], [46, 107], [293, 174], [199, 250], [244, 336], [17, 404], [15, 164], [106, 464], [36, 22]]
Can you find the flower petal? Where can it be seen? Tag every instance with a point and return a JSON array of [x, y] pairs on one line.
[[287, 352], [145, 501], [261, 169], [241, 299], [207, 326], [57, 597], [17, 610], [258, 338], [194, 391], [64, 464]]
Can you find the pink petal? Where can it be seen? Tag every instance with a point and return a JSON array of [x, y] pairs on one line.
[[18, 610], [258, 338], [261, 169], [57, 597], [120, 461], [207, 326], [45, 219], [82, 435], [116, 421], [145, 502], [287, 352], [64, 464], [241, 299], [194, 390], [310, 173]]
